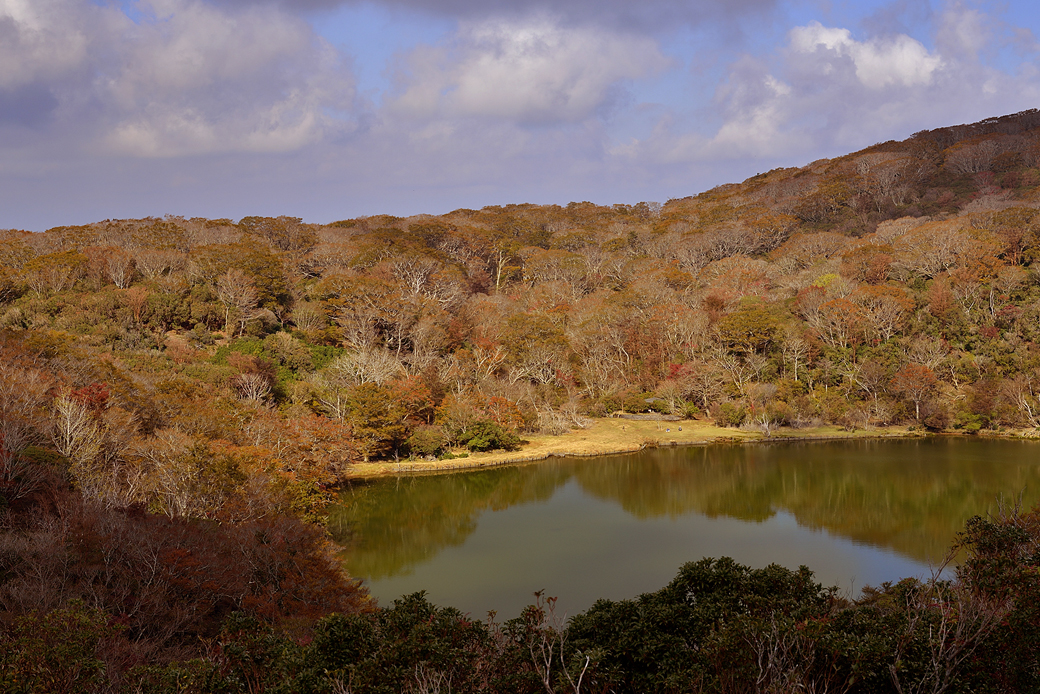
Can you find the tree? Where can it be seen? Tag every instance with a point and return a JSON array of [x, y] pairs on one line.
[[536, 347], [54, 271], [867, 263], [762, 398], [120, 267], [972, 156], [362, 306], [825, 203], [838, 322], [738, 370], [415, 271], [155, 262], [362, 366], [60, 651], [23, 400], [795, 349], [320, 450], [8, 285], [931, 248], [884, 309], [78, 436], [751, 328], [486, 435], [915, 382], [238, 294], [700, 628], [706, 380], [871, 377], [284, 233], [542, 266], [1023, 390], [255, 378], [1016, 229], [308, 317], [805, 250], [262, 266], [376, 420], [883, 177], [416, 399]]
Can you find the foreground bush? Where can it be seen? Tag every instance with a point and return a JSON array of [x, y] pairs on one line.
[[104, 600], [717, 627]]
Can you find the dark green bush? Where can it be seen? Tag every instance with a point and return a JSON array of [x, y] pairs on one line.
[[729, 414], [486, 435], [426, 440]]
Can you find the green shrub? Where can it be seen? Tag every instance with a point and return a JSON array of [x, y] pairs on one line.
[[638, 402], [688, 410], [55, 652], [486, 435], [729, 414], [426, 441]]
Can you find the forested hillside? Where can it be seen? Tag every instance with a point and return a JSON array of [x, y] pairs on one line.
[[199, 386]]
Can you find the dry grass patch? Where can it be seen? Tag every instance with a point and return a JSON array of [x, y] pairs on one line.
[[610, 436]]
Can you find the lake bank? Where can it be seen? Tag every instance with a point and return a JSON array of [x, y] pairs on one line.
[[611, 436]]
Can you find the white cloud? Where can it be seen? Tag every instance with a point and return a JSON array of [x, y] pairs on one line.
[[186, 45], [44, 39], [195, 79], [757, 129], [532, 71], [826, 93], [963, 32], [185, 78], [899, 60]]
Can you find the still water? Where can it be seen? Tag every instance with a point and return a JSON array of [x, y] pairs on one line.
[[856, 512]]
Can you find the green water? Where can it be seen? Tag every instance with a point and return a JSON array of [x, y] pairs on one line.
[[856, 512]]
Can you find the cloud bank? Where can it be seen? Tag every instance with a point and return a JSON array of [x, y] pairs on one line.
[[233, 107], [531, 72], [645, 15], [184, 78]]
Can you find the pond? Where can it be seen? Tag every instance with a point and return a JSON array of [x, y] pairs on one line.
[[855, 512]]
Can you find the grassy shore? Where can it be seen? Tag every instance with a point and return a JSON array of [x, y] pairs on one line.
[[610, 436]]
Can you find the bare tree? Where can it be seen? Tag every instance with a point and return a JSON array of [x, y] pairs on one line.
[[153, 262], [794, 350], [761, 396], [738, 371], [957, 621], [236, 291], [252, 386], [78, 437], [546, 642], [972, 157], [786, 660], [1024, 392], [120, 267], [706, 381], [364, 366], [23, 394], [931, 249]]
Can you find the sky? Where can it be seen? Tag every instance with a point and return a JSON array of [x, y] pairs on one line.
[[334, 109]]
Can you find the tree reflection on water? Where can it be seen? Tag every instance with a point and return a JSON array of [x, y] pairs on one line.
[[908, 496]]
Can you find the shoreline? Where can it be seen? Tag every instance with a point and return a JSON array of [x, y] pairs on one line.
[[609, 436]]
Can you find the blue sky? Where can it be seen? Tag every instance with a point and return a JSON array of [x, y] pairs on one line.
[[330, 109]]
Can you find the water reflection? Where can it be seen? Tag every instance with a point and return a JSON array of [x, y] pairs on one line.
[[905, 498]]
